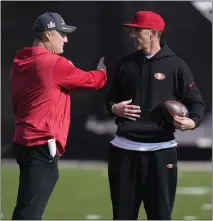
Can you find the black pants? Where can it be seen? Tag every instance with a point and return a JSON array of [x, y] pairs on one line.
[[38, 176], [149, 177]]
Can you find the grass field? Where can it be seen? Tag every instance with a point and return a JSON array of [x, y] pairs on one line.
[[84, 194]]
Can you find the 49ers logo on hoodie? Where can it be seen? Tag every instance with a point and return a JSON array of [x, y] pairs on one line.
[[159, 76]]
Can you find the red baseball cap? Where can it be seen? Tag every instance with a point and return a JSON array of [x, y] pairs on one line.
[[147, 19]]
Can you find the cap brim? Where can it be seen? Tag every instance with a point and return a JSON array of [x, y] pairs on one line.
[[132, 25], [67, 29]]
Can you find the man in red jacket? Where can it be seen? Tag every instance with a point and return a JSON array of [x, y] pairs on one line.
[[41, 81]]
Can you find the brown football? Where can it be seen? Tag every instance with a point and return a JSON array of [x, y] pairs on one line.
[[176, 108]]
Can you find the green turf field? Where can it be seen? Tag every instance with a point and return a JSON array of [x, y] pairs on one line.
[[84, 194]]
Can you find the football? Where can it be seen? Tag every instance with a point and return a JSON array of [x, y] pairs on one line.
[[176, 108]]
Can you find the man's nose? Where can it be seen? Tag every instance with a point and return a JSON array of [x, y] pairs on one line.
[[65, 39], [132, 35]]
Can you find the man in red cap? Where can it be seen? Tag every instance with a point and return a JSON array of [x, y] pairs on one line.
[[41, 82], [142, 158]]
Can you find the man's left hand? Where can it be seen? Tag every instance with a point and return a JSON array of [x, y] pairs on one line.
[[183, 123]]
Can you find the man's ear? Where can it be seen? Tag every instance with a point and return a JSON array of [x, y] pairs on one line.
[[154, 33], [47, 36]]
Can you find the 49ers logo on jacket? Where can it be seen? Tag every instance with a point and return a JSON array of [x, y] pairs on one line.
[[159, 76]]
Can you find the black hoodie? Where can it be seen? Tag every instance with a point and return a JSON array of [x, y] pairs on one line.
[[148, 82]]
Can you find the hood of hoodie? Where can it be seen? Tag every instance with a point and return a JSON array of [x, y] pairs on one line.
[[164, 52], [26, 56]]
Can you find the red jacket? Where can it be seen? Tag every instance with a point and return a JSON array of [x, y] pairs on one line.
[[40, 84]]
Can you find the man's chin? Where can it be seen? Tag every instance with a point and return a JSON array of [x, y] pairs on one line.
[[137, 47], [59, 52]]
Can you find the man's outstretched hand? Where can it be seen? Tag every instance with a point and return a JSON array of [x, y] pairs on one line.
[[101, 65]]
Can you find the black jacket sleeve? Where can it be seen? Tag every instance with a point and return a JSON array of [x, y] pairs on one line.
[[190, 95], [113, 95]]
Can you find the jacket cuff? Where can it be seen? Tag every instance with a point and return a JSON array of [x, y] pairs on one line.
[[196, 120], [109, 108]]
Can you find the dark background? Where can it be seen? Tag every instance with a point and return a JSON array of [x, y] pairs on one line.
[[99, 33]]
